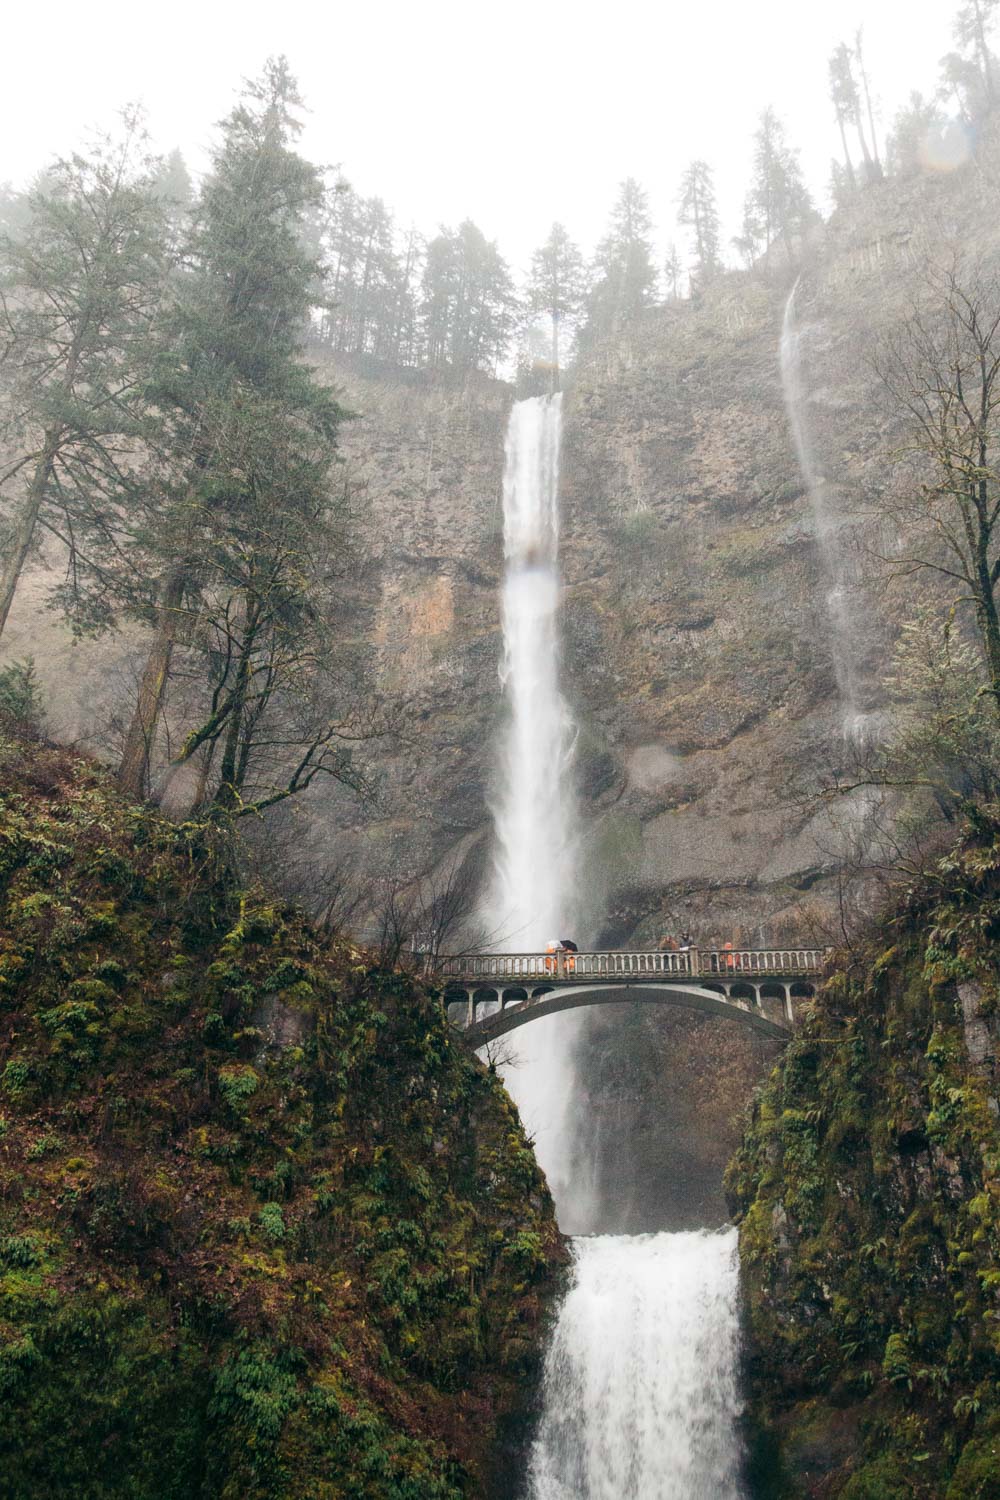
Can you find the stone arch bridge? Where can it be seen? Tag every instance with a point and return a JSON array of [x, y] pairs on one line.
[[489, 994]]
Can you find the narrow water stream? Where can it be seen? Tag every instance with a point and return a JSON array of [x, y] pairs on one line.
[[640, 1393]]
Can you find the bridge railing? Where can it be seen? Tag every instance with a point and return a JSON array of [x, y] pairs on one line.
[[784, 961], [623, 964], [487, 968]]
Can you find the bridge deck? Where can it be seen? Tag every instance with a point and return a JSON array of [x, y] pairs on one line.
[[500, 991], [583, 968]]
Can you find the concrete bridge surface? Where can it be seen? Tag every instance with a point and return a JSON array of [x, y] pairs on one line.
[[489, 994]]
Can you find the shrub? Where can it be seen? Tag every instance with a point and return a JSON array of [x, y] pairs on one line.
[[21, 710]]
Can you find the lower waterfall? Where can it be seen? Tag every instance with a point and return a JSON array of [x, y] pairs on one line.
[[640, 1394]]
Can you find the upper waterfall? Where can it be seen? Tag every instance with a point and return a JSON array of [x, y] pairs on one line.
[[535, 813], [532, 899]]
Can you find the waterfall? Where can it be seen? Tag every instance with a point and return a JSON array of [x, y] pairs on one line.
[[640, 1396], [532, 897], [535, 815], [842, 604]]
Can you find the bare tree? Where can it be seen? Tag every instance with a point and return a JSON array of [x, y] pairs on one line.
[[500, 1054], [942, 374], [430, 914]]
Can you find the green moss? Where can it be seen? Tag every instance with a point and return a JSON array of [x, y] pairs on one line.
[[226, 1269], [866, 1189]]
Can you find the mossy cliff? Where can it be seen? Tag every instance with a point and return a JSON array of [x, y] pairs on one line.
[[266, 1230], [868, 1195]]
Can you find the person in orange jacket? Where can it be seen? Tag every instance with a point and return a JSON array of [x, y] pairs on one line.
[[569, 948]]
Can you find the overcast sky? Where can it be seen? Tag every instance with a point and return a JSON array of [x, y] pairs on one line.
[[512, 114]]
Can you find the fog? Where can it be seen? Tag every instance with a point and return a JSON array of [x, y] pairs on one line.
[[513, 116]]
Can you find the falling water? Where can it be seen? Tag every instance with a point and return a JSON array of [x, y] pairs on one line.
[[535, 817], [841, 597], [531, 902], [640, 1396]]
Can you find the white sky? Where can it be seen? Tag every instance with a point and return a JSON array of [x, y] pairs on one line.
[[512, 114]]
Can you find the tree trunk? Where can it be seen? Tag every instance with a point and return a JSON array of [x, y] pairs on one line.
[[990, 628], [134, 768], [869, 168], [228, 790], [847, 155], [27, 521], [984, 51], [232, 771], [986, 608], [871, 112], [554, 383]]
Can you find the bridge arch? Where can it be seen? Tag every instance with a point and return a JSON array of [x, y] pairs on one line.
[[685, 996]]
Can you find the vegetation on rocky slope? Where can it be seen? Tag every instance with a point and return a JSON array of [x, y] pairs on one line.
[[266, 1229], [867, 1190]]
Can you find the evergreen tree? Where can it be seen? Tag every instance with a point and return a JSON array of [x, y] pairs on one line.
[[468, 306], [15, 211], [283, 705], [372, 284], [915, 126], [969, 75], [846, 102], [623, 277], [845, 96], [246, 431], [778, 205], [673, 272], [406, 335], [173, 187], [556, 289], [81, 280], [972, 24], [697, 211], [859, 54]]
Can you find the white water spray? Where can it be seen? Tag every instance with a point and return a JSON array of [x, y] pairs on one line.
[[536, 814], [532, 898], [640, 1394]]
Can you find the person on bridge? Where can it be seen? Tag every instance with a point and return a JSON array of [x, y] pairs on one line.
[[569, 947]]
